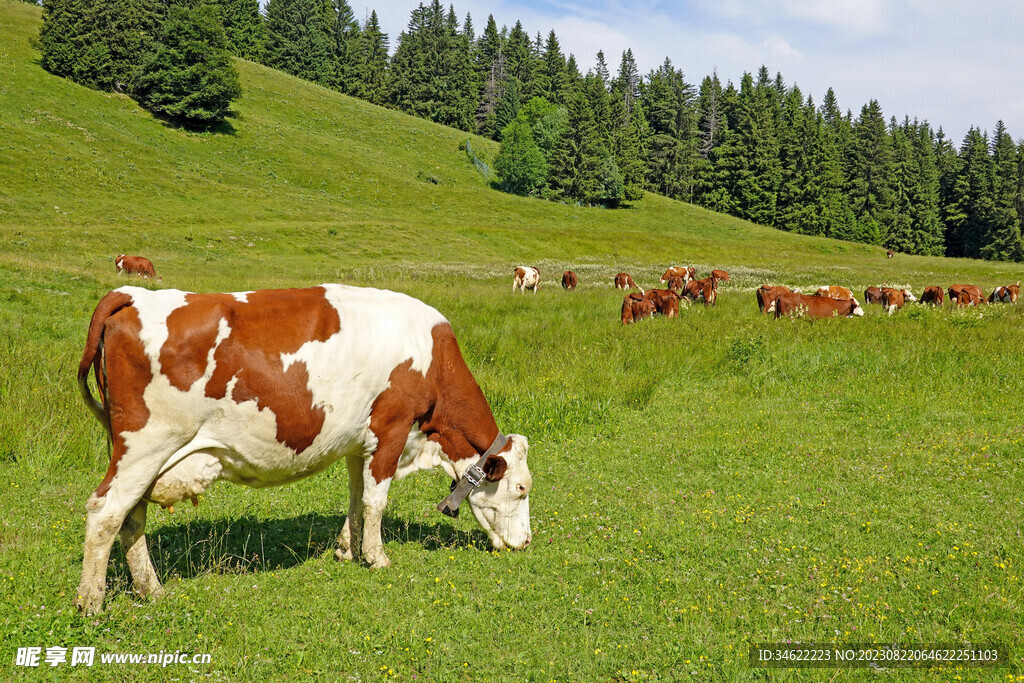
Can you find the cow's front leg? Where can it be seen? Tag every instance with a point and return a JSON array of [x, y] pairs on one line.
[[133, 538], [375, 499], [350, 539]]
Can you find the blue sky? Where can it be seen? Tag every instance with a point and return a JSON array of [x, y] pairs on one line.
[[955, 63]]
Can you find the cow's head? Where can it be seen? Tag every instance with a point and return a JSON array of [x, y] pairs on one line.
[[502, 501], [857, 310], [908, 295]]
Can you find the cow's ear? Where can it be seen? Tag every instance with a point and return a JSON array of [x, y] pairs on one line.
[[494, 467]]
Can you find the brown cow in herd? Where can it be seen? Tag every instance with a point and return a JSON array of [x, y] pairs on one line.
[[894, 299], [676, 283], [569, 280], [1006, 294], [625, 281], [767, 294], [666, 302], [636, 307], [873, 295], [721, 275], [813, 306], [687, 273], [135, 265], [832, 292], [965, 295], [706, 289], [933, 296]]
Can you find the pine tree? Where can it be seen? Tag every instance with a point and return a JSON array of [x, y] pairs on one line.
[[947, 163], [1003, 236], [243, 26], [755, 175], [508, 108], [489, 64], [188, 76], [578, 159], [346, 38], [668, 101], [972, 195], [869, 180], [518, 57], [371, 84], [550, 76], [299, 39]]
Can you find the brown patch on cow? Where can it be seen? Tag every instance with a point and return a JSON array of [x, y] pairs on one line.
[[447, 402], [813, 306], [268, 324], [129, 373]]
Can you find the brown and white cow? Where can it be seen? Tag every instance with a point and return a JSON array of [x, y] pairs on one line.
[[889, 253], [767, 294], [894, 299], [873, 295], [267, 387], [666, 302], [706, 290], [814, 306], [526, 277], [569, 280], [933, 295], [833, 292], [721, 275], [636, 307], [675, 282], [965, 295], [135, 265], [1006, 294], [686, 272], [625, 281]]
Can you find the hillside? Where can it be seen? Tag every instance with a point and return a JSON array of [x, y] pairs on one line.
[[700, 483], [339, 178]]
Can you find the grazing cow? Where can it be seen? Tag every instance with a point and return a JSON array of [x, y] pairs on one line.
[[636, 307], [686, 272], [1006, 294], [832, 292], [893, 299], [666, 302], [721, 275], [933, 296], [965, 295], [267, 387], [676, 282], [814, 306], [625, 281], [873, 295], [889, 253], [569, 280], [526, 277], [767, 294], [706, 289], [135, 265]]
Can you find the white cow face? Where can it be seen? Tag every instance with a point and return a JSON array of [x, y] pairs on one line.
[[908, 295], [857, 310], [503, 507]]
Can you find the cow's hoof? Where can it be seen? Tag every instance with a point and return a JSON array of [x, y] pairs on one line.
[[89, 604], [378, 561], [150, 591], [343, 554]]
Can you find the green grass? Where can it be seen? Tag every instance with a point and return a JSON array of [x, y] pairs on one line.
[[700, 483]]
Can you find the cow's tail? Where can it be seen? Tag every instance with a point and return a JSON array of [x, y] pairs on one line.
[[93, 355]]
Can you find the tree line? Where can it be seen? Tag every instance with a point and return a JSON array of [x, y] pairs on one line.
[[760, 149]]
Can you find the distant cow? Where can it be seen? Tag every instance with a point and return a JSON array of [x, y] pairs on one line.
[[676, 282], [893, 299], [933, 296], [569, 280], [889, 253], [625, 281], [833, 292], [767, 294], [814, 306], [686, 272], [526, 277], [965, 295], [721, 275], [636, 307], [666, 302], [706, 289], [1006, 294], [873, 295], [135, 265]]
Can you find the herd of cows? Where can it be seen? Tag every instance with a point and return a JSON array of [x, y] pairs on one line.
[[682, 285]]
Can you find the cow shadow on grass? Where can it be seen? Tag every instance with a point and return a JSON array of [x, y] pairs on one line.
[[248, 545]]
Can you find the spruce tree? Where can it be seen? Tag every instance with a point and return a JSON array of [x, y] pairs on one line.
[[299, 39], [550, 76], [371, 84], [188, 76], [1003, 234], [243, 26], [669, 103], [346, 37], [508, 108], [871, 170]]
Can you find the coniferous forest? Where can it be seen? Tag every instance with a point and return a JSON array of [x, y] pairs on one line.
[[589, 133]]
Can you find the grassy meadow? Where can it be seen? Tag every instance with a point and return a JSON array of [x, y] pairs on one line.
[[700, 484]]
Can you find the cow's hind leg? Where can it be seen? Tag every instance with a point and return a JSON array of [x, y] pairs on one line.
[[133, 538], [350, 539], [108, 506]]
